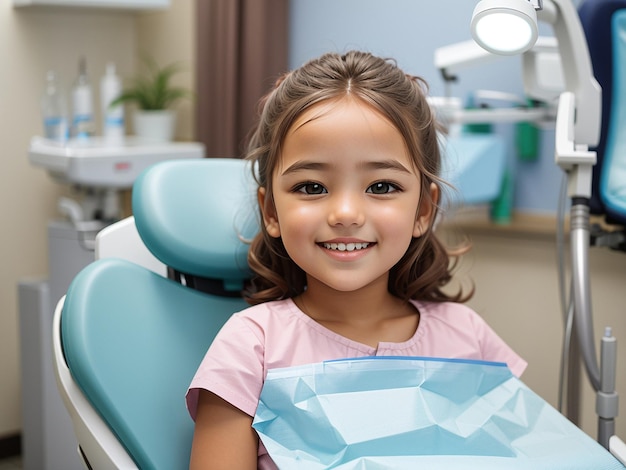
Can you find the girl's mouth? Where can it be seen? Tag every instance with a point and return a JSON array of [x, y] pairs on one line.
[[345, 246]]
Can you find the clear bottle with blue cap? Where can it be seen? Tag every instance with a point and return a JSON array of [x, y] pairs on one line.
[[54, 110], [112, 114], [82, 104]]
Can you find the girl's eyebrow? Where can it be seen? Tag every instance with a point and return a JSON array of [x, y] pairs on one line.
[[305, 165], [389, 164]]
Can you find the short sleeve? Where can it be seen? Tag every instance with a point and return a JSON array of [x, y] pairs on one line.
[[493, 348], [232, 367]]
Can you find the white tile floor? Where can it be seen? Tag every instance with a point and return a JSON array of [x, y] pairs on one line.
[[13, 463]]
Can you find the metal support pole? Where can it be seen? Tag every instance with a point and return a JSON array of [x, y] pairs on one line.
[[606, 398], [572, 396]]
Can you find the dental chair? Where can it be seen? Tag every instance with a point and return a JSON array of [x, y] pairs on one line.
[[127, 340], [604, 24]]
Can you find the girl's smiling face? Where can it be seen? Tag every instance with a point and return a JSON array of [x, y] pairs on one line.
[[346, 196]]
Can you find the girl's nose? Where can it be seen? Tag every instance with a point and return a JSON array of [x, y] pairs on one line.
[[346, 209]]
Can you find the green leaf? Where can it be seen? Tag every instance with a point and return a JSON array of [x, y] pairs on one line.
[[152, 90]]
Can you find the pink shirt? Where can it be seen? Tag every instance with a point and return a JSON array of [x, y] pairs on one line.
[[278, 334]]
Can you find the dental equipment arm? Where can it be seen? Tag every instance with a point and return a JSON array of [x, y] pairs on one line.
[[542, 81], [577, 70], [450, 59], [577, 128]]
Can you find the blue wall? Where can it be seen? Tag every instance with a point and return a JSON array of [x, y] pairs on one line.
[[410, 31]]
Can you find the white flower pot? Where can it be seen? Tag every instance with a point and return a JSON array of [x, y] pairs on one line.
[[154, 126]]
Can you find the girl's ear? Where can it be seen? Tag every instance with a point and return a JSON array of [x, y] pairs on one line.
[[270, 220], [426, 211]]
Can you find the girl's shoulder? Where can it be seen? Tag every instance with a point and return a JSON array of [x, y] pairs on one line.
[[266, 310], [451, 313], [267, 316], [443, 308]]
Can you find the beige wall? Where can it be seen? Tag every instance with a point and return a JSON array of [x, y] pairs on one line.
[[32, 40]]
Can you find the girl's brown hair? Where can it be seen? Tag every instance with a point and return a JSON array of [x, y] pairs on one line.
[[426, 266]]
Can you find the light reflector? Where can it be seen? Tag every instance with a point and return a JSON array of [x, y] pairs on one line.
[[505, 27]]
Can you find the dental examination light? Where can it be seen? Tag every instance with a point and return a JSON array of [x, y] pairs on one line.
[[577, 128], [506, 28]]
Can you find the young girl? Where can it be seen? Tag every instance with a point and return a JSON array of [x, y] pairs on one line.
[[346, 156]]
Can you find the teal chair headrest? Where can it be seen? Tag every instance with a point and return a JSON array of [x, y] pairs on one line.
[[178, 206]]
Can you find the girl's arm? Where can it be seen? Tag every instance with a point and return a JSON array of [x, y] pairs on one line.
[[223, 437]]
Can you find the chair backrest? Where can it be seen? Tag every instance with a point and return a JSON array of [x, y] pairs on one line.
[[133, 339], [177, 206], [604, 23]]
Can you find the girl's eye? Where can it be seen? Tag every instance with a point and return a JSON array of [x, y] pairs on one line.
[[382, 187], [311, 188]]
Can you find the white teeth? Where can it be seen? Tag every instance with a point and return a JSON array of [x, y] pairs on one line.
[[345, 246]]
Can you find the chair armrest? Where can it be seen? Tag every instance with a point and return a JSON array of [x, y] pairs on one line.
[[98, 445], [618, 449]]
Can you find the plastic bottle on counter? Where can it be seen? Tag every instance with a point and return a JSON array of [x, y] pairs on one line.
[[112, 116], [54, 110], [82, 104]]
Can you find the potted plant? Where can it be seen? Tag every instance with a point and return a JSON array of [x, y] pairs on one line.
[[153, 94]]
